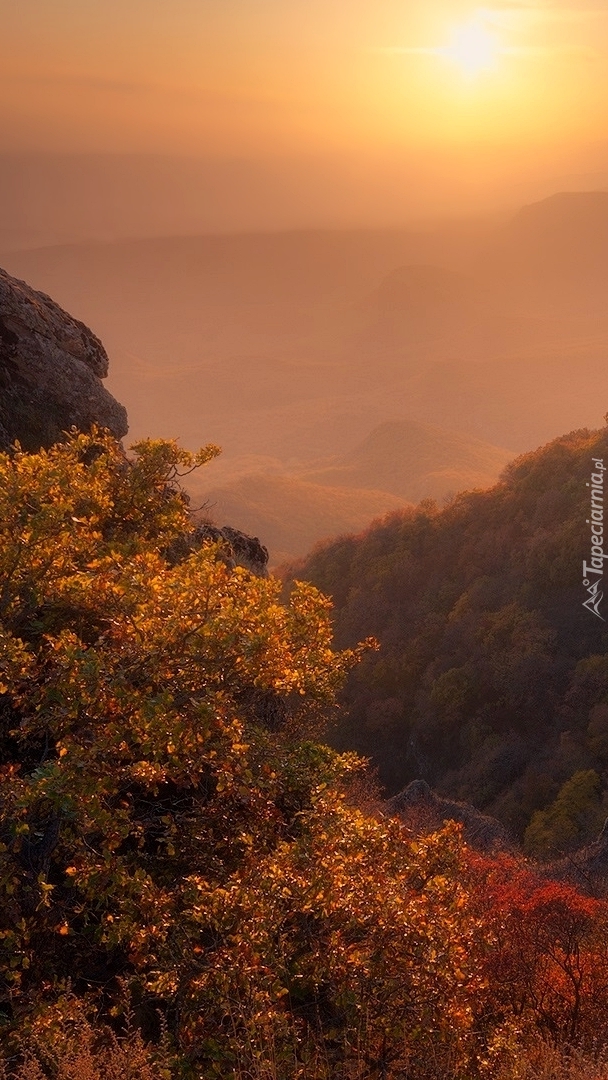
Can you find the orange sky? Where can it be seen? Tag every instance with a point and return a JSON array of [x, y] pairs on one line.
[[358, 80]]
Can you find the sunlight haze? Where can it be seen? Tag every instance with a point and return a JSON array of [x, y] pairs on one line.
[[433, 108], [303, 456], [361, 247]]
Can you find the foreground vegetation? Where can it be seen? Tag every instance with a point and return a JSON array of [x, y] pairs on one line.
[[193, 886]]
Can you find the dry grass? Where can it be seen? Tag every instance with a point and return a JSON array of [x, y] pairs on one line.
[[77, 1049], [541, 1061], [68, 1045]]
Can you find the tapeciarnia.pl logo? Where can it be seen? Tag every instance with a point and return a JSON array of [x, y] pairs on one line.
[[593, 571]]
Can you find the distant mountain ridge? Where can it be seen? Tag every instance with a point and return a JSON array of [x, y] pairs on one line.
[[570, 225], [291, 514], [554, 251], [300, 343], [417, 461], [400, 462], [293, 348]]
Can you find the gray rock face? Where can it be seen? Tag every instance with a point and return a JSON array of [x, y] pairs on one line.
[[234, 547], [248, 551], [241, 550], [424, 811], [51, 367]]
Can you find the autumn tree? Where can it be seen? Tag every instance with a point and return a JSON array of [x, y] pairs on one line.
[[168, 824], [576, 813], [543, 950]]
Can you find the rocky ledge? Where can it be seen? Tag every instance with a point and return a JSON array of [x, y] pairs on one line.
[[235, 548], [51, 367], [424, 811]]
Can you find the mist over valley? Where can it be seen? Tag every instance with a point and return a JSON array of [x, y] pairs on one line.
[[358, 369]]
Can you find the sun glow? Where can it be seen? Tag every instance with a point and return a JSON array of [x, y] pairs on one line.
[[473, 49]]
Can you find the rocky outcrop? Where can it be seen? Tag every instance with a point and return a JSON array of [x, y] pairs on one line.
[[424, 811], [51, 367], [248, 551], [241, 550], [235, 547]]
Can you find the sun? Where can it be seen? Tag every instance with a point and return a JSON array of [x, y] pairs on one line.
[[473, 49]]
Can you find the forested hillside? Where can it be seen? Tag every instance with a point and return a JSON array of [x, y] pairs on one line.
[[194, 886], [491, 678]]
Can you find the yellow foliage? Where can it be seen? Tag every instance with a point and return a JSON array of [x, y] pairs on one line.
[[167, 821]]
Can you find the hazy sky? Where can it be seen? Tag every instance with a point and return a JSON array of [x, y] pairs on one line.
[[497, 97]]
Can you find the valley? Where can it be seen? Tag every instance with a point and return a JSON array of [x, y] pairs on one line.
[[294, 350]]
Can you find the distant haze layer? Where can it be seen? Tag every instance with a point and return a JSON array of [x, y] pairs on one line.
[[148, 117], [347, 372], [53, 198]]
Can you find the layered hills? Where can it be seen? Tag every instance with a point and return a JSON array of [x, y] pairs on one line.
[[400, 462], [292, 349], [417, 461], [291, 514]]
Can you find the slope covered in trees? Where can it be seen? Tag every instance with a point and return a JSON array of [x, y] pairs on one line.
[[490, 682], [189, 889]]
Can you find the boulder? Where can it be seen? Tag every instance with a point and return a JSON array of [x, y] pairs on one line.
[[238, 548], [51, 367]]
